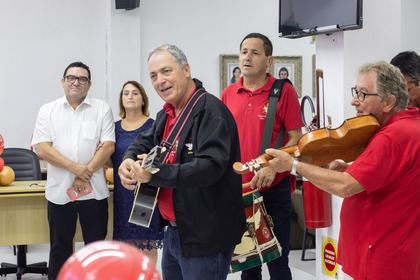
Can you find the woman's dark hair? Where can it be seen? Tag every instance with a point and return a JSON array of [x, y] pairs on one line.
[[232, 80], [285, 70]]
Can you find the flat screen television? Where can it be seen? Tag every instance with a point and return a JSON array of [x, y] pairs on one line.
[[299, 18]]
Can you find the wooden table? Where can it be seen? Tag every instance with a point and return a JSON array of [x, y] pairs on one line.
[[23, 214], [23, 220]]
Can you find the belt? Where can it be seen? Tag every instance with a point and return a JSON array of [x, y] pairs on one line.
[[172, 223]]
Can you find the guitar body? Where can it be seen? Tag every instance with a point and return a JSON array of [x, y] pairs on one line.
[[144, 205], [321, 146], [145, 198]]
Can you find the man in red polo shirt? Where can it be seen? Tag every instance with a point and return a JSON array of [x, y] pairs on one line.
[[247, 99], [380, 228]]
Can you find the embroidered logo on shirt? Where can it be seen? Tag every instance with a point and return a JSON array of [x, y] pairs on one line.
[[263, 112], [189, 146]]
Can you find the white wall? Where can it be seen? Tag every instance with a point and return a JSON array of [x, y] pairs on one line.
[[206, 29], [124, 56], [38, 39]]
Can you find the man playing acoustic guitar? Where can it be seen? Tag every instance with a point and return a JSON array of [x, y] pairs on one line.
[[200, 195]]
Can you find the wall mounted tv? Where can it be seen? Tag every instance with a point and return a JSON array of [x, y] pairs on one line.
[[299, 18]]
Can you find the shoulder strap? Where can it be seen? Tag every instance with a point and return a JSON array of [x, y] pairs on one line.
[[173, 135], [273, 99]]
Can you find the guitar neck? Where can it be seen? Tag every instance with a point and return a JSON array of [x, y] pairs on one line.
[[289, 149], [261, 161]]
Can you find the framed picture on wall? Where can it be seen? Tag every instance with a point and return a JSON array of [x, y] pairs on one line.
[[291, 66], [229, 69]]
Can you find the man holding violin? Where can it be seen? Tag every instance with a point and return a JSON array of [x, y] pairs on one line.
[[380, 229]]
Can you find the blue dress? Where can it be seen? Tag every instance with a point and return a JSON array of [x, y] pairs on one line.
[[141, 237]]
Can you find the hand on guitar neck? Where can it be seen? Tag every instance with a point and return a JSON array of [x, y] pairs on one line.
[[261, 161], [321, 146], [150, 161], [146, 165]]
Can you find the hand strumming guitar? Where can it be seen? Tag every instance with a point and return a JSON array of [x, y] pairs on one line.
[[124, 171], [138, 173]]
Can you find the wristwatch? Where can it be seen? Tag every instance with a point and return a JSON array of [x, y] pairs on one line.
[[294, 165]]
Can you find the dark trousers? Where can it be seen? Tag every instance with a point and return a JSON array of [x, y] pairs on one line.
[[277, 201], [93, 217]]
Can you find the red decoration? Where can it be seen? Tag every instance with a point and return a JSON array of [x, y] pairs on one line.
[[108, 260], [1, 144]]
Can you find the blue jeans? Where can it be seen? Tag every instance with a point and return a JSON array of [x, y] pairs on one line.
[[277, 201], [177, 267]]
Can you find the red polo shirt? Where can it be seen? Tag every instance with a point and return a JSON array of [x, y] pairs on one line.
[[249, 109], [165, 199]]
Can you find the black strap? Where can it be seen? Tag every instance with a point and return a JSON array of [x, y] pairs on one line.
[[273, 99], [176, 130]]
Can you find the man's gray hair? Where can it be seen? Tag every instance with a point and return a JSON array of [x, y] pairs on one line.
[[177, 53], [389, 82]]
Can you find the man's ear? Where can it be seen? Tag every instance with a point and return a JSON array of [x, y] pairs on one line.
[[270, 61], [187, 70], [390, 103]]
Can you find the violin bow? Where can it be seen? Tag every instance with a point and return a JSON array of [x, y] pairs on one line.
[[319, 75]]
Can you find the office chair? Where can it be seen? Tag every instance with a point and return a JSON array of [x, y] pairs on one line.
[[25, 164]]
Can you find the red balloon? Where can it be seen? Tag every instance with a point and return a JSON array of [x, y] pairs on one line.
[[108, 260], [1, 144], [1, 163]]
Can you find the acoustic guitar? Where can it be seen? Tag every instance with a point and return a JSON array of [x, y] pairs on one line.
[[145, 198]]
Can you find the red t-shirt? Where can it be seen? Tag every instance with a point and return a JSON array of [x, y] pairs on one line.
[[380, 227], [249, 109]]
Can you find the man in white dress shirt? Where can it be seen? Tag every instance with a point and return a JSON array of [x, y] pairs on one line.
[[66, 135]]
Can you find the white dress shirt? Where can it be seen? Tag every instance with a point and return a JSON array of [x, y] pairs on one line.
[[75, 134]]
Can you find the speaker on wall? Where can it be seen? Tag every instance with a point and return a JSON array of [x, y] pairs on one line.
[[127, 4]]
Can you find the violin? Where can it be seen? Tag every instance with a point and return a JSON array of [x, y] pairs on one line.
[[321, 146]]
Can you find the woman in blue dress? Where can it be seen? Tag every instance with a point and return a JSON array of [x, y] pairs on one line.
[[134, 113]]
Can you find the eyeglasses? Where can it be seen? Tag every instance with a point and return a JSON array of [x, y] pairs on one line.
[[360, 94], [71, 79]]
